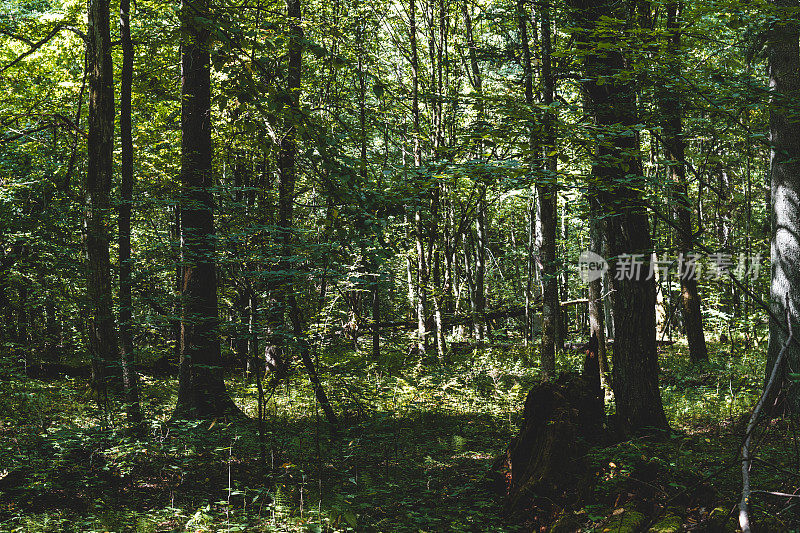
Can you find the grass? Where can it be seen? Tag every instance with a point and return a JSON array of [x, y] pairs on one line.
[[414, 453]]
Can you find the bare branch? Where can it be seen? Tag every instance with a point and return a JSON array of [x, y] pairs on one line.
[[35, 46], [744, 503]]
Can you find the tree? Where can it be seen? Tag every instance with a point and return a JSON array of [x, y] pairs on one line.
[[617, 172], [287, 175], [421, 281], [97, 190], [675, 152], [201, 389], [129, 376], [547, 214], [784, 129]]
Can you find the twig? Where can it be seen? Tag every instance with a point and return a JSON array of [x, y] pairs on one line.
[[781, 494], [776, 467], [744, 513]]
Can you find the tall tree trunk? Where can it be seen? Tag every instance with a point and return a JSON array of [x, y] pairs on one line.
[[477, 78], [201, 390], [127, 358], [612, 102], [478, 287], [784, 81], [422, 271], [374, 286], [175, 321], [376, 314], [287, 173], [546, 191], [480, 268], [674, 145], [100, 147], [527, 66], [531, 278]]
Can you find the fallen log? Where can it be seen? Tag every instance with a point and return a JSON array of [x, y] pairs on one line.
[[451, 320]]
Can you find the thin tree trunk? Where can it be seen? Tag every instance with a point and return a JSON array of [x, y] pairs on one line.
[[596, 312], [100, 147], [530, 281], [422, 275], [527, 66], [127, 357], [175, 321], [376, 316], [480, 269], [547, 204], [288, 175], [674, 146], [362, 117], [23, 344], [476, 79], [201, 389]]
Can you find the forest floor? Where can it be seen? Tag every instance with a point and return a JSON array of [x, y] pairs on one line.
[[414, 453]]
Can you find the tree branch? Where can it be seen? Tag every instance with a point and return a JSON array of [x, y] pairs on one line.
[[744, 503], [35, 46]]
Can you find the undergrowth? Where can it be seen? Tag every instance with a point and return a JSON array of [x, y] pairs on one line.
[[416, 445]]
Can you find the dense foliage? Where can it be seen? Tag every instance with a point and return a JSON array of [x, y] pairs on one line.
[[396, 200]]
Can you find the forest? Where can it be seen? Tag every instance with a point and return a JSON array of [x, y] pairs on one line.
[[400, 265]]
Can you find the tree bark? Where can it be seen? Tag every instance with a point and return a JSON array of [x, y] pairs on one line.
[[596, 315], [784, 81], [127, 358], [100, 147], [532, 211], [546, 191], [617, 171], [201, 390]]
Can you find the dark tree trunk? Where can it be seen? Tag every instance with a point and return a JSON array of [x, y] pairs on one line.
[[127, 359], [201, 392], [617, 171], [287, 173], [784, 78], [674, 145], [478, 289], [546, 191], [100, 147], [527, 66]]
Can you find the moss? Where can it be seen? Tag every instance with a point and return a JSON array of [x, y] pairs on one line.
[[720, 521], [624, 521], [669, 523]]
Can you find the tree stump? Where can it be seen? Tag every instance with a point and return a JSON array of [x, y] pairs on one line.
[[561, 420]]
